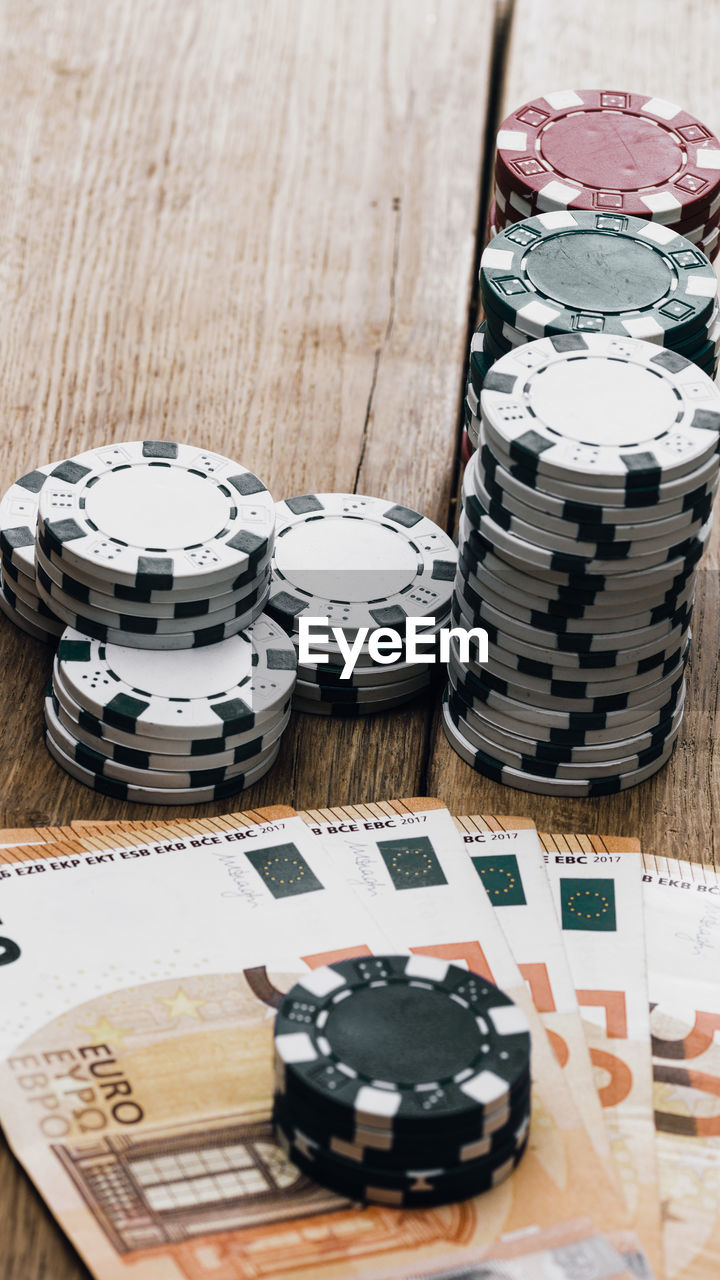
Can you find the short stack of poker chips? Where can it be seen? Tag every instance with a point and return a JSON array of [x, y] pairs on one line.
[[401, 1080], [180, 726], [153, 544], [585, 512], [357, 562], [169, 687], [610, 151]]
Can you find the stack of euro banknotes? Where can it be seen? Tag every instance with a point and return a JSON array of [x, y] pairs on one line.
[[140, 968]]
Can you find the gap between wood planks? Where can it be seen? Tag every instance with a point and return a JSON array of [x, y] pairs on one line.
[[503, 13]]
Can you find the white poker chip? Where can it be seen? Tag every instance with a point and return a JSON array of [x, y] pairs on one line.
[[607, 765], [114, 741], [619, 409], [202, 637], [24, 618], [493, 768], [256, 745], [511, 659], [646, 712], [313, 708], [575, 745], [149, 795], [18, 518], [178, 606], [511, 515], [533, 611], [652, 496], [144, 599], [156, 514], [330, 675], [358, 561], [209, 693], [484, 533], [598, 595], [67, 606], [197, 774], [565, 570], [563, 695], [592, 522], [571, 665]]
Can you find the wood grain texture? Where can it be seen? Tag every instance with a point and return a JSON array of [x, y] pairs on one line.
[[251, 226], [662, 48]]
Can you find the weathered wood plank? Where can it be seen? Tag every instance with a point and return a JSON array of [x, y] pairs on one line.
[[655, 47], [252, 226]]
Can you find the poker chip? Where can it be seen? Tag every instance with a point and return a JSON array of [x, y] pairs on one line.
[[585, 512], [156, 514], [151, 632], [589, 272], [358, 562], [239, 750], [565, 765], [417, 1189], [31, 616], [149, 795], [309, 691], [331, 707], [116, 741], [21, 602], [226, 688], [614, 151], [170, 727], [559, 745], [412, 1189], [632, 499], [619, 410], [402, 1080], [149, 776], [521, 780], [598, 513], [30, 620]]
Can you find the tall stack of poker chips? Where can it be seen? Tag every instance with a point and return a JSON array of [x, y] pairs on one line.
[[401, 1080], [590, 272], [169, 686], [585, 512], [357, 562], [610, 152]]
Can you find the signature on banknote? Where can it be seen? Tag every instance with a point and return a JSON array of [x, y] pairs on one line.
[[707, 934]]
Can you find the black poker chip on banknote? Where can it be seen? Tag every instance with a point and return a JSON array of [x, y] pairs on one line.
[[403, 1079]]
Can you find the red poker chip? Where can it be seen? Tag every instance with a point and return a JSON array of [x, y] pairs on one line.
[[608, 150], [514, 205], [466, 449], [504, 214]]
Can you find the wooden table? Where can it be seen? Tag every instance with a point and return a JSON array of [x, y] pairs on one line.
[[257, 226]]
